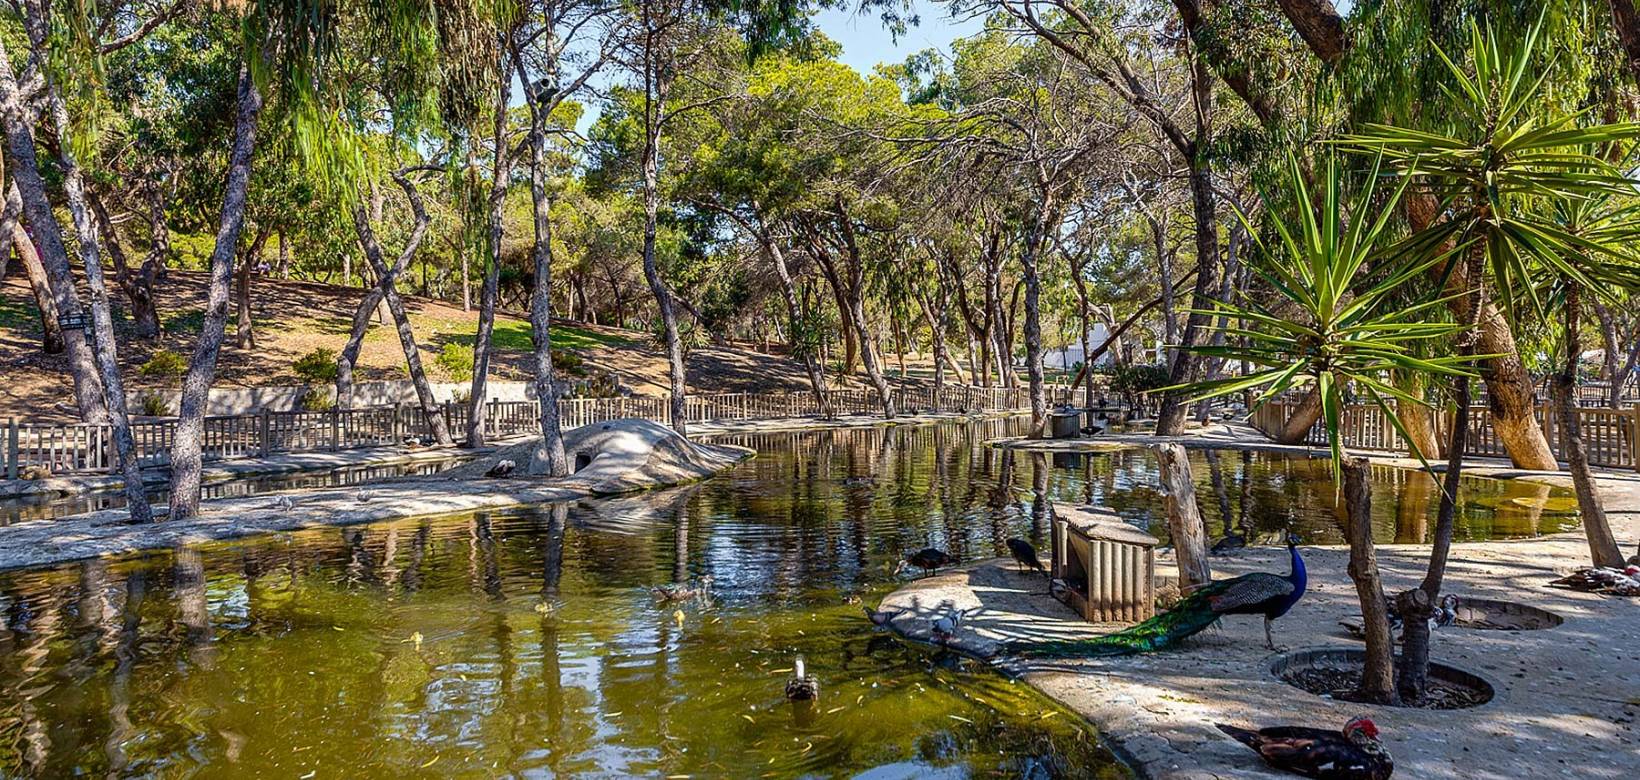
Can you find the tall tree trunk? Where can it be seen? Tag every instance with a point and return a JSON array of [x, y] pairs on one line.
[[138, 287], [857, 311], [105, 350], [1417, 419], [492, 273], [47, 233], [155, 264], [386, 292], [284, 255], [1378, 674], [245, 336], [186, 457], [657, 85], [797, 338], [1170, 418], [1034, 246], [1603, 549], [548, 457]]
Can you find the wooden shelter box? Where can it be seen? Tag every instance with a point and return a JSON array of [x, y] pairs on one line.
[[1107, 567]]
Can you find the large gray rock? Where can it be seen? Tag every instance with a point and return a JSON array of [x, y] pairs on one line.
[[614, 457]]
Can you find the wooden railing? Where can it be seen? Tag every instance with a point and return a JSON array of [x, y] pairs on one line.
[[81, 448], [1611, 436]]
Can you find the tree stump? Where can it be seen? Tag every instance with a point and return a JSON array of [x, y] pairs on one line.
[[1378, 678], [1184, 517]]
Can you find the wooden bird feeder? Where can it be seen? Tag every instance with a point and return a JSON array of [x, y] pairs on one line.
[[1108, 567]]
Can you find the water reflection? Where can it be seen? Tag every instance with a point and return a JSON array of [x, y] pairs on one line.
[[529, 643]]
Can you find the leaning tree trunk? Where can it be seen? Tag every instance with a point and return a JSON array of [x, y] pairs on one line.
[[658, 85], [1603, 550], [38, 211], [51, 333], [1170, 418], [1510, 395], [138, 287], [1303, 418], [856, 284], [795, 324], [1378, 674], [105, 350], [186, 457], [384, 291], [1184, 516], [549, 456]]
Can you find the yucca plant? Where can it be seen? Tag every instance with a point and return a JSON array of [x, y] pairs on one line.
[[1495, 175], [1328, 326]]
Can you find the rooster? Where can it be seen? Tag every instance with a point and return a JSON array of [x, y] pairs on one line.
[[1351, 754], [1259, 593]]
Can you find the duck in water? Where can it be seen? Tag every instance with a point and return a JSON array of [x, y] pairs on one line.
[[802, 687]]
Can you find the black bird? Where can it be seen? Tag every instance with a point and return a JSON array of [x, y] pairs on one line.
[[1025, 555], [1230, 542], [928, 559], [1355, 753], [881, 617], [501, 469]]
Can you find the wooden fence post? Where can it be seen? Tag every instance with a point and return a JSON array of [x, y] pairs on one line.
[[335, 429], [264, 430], [1634, 435], [14, 446]]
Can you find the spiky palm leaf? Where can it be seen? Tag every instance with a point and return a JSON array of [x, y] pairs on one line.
[[1341, 336], [1507, 151]]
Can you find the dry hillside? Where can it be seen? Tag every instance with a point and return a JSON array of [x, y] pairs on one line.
[[293, 318]]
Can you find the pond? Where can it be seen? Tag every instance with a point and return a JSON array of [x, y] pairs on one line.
[[529, 642]]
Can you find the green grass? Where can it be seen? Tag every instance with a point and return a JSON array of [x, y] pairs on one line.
[[19, 315], [514, 335]]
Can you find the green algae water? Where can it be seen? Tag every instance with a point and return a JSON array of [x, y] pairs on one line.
[[530, 643]]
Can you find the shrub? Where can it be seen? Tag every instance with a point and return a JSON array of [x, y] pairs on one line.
[[317, 367], [568, 362], [165, 365], [155, 405], [318, 399], [457, 361]]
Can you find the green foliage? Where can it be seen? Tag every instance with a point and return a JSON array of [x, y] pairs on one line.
[[154, 405], [1326, 325], [317, 367], [1133, 382], [568, 362], [1509, 158], [457, 361], [317, 399], [165, 366]]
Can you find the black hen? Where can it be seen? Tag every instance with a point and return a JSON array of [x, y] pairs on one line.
[[928, 559], [1351, 754]]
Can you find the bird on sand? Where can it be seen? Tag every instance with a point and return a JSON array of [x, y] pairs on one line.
[[501, 469], [929, 559], [1259, 593], [1025, 555], [946, 625], [1354, 753], [881, 617]]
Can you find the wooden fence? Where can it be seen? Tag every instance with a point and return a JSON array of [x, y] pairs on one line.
[[1611, 436], [79, 448]]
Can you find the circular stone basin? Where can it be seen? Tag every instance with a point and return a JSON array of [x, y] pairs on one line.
[[1335, 673], [1490, 615]]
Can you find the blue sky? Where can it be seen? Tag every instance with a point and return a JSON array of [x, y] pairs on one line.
[[866, 42]]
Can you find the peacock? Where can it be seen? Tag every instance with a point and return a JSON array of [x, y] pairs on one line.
[[1259, 593]]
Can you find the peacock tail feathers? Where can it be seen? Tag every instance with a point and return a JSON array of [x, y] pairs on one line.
[[1189, 617]]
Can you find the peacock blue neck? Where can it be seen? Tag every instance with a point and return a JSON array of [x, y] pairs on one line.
[[1298, 576]]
